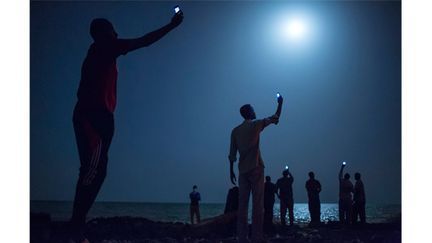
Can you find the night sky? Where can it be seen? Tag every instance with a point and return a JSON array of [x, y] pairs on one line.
[[179, 99]]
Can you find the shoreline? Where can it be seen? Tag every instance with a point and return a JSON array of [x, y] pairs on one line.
[[218, 229]]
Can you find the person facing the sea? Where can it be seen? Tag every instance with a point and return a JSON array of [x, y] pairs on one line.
[[245, 139], [93, 116], [313, 188], [285, 192], [359, 206], [345, 197], [270, 190], [194, 197]]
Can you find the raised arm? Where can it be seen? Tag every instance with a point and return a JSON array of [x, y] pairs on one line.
[[155, 35], [275, 118], [279, 107], [341, 172]]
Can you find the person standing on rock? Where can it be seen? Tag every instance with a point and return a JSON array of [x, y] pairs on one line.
[[346, 189], [93, 116], [285, 192], [195, 197], [270, 190], [245, 139], [359, 206], [313, 188]]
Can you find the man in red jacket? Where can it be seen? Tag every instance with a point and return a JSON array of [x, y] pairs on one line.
[[93, 117]]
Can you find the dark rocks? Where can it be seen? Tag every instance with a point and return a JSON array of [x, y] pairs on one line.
[[40, 227], [216, 230]]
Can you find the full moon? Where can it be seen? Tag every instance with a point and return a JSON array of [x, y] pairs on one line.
[[295, 29]]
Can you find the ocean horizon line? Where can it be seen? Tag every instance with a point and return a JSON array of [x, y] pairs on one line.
[[187, 202]]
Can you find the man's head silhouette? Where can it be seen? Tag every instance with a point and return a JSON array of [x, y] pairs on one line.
[[285, 173], [102, 30], [311, 175], [268, 179], [357, 176], [347, 176], [247, 112]]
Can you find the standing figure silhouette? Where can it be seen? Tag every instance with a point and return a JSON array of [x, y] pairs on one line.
[[245, 139], [313, 188], [346, 189], [359, 206], [93, 116], [285, 192]]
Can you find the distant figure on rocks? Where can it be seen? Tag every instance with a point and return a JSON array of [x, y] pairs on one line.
[[231, 204], [245, 139], [93, 116], [270, 190], [346, 189], [359, 206], [285, 192], [313, 188], [195, 197]]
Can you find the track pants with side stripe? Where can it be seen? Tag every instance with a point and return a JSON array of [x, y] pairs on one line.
[[93, 132]]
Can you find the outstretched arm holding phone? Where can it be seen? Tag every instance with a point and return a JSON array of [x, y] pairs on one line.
[[341, 171], [279, 107], [275, 118], [155, 35]]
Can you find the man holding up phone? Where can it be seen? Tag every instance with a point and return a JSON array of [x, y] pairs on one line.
[[245, 139], [93, 116], [346, 189]]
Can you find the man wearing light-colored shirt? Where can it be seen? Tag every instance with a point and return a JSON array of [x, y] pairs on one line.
[[245, 139]]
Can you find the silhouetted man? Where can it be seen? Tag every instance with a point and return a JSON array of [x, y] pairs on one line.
[[93, 117], [359, 206], [245, 139], [284, 186], [231, 204], [345, 197], [313, 188], [270, 190], [195, 197]]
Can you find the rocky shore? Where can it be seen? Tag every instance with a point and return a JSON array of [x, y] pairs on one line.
[[218, 229]]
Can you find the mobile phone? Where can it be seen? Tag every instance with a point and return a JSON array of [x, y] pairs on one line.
[[277, 95], [177, 9], [286, 167], [344, 163]]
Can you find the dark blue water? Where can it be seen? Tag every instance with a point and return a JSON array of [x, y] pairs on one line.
[[179, 212]]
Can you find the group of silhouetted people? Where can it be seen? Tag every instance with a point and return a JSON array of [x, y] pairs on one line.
[[283, 189], [352, 199], [93, 121]]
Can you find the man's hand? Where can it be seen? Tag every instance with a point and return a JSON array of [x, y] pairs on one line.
[[177, 19], [233, 177], [280, 99]]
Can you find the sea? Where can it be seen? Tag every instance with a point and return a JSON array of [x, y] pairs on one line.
[[179, 212]]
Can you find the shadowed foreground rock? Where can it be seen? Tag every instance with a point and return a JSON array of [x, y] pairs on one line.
[[218, 229]]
